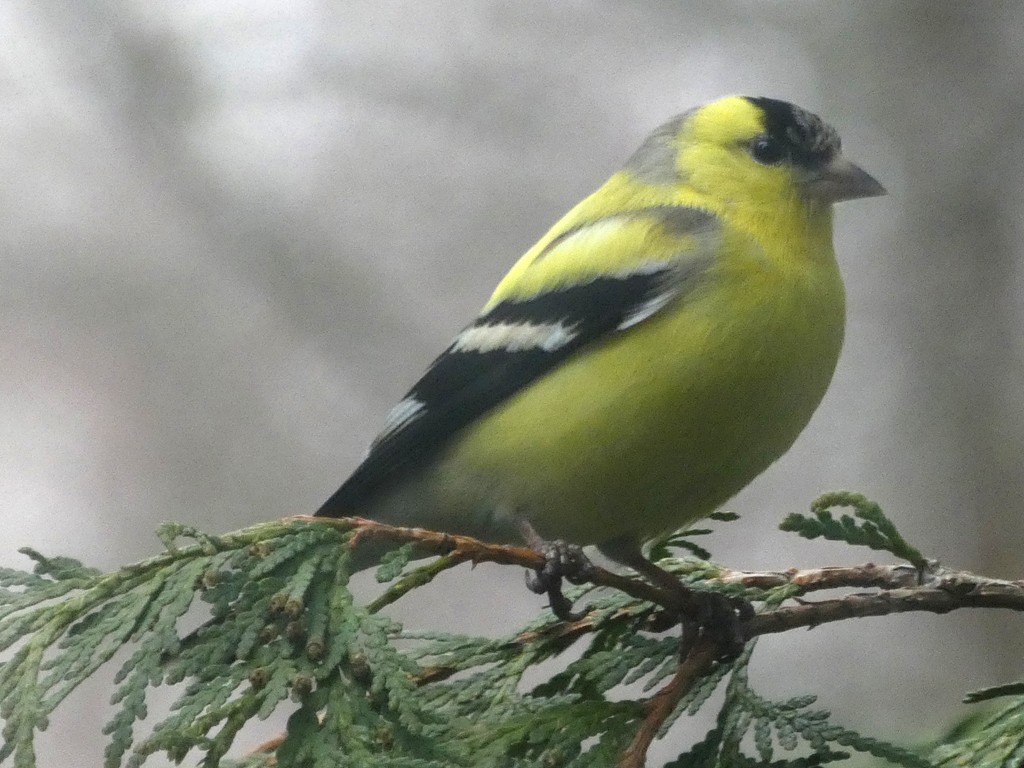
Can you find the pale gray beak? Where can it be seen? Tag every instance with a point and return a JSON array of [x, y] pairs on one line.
[[841, 180]]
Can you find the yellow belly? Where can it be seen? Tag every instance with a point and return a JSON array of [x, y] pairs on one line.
[[660, 425]]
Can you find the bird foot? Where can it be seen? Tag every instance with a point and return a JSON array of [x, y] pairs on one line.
[[719, 616], [561, 561], [702, 613]]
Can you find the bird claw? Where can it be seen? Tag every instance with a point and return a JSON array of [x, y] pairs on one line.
[[561, 561], [720, 616]]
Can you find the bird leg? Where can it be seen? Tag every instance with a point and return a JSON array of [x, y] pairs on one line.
[[701, 611]]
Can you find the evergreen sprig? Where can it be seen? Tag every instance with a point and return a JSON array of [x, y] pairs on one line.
[[875, 531], [661, 547], [279, 631], [64, 621], [750, 729], [995, 692], [996, 741]]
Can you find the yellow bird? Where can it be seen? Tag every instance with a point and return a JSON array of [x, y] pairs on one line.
[[655, 351]]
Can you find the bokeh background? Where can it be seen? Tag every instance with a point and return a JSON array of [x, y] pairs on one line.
[[233, 232]]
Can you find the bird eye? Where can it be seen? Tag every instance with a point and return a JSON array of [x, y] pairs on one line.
[[766, 150]]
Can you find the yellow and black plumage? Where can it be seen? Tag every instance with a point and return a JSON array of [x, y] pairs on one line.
[[657, 349]]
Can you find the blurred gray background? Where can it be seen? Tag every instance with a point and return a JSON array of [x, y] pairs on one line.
[[233, 233]]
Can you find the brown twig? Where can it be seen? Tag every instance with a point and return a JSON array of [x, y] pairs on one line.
[[457, 549], [902, 588], [662, 704], [833, 577], [980, 593]]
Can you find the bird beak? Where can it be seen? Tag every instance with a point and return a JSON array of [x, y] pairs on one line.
[[842, 180]]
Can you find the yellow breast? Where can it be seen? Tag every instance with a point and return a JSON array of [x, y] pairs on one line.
[[659, 425]]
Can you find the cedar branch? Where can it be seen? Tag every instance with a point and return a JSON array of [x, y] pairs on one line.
[[899, 589]]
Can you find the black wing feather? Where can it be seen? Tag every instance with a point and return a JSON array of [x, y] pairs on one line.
[[463, 384], [460, 386]]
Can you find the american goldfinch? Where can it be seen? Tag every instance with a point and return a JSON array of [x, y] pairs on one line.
[[657, 349]]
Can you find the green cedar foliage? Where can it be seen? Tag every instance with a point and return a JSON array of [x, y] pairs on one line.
[[281, 631], [876, 531], [993, 739]]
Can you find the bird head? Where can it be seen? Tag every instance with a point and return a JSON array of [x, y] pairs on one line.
[[742, 150]]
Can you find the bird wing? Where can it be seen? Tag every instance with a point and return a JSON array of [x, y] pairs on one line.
[[589, 283]]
